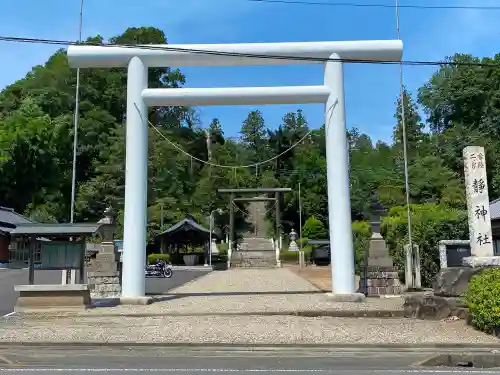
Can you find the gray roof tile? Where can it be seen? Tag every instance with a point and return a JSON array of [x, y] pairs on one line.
[[495, 209], [36, 229]]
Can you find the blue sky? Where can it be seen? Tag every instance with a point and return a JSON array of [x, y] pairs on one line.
[[371, 90]]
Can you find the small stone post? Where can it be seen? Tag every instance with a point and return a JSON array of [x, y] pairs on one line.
[[231, 230], [302, 259], [412, 280], [106, 275]]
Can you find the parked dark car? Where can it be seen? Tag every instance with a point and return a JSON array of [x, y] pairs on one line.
[[321, 256]]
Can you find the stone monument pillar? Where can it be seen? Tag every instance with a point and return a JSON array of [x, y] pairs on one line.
[[379, 276], [478, 207], [106, 275]]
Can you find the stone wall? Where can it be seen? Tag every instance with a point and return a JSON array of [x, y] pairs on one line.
[[382, 281]]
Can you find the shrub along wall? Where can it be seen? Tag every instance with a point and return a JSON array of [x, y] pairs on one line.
[[483, 300], [431, 223], [361, 232]]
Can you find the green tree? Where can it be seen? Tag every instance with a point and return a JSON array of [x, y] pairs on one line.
[[314, 229]]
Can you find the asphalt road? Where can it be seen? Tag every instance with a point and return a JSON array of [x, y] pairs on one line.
[[9, 278], [191, 360]]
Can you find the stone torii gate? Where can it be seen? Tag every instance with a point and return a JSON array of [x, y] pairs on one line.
[[233, 198], [139, 97]]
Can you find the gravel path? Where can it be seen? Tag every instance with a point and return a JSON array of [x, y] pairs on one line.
[[237, 291], [242, 330], [251, 291]]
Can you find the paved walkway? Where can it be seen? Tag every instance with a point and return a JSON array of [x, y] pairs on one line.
[[250, 291], [320, 277]]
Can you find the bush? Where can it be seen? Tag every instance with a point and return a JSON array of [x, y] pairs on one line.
[[361, 234], [431, 223], [483, 300], [314, 229], [289, 256], [302, 241], [223, 248], [177, 259], [152, 258]]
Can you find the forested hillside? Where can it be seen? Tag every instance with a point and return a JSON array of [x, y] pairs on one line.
[[461, 105]]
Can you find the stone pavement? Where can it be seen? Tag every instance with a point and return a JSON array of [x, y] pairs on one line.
[[320, 277], [249, 292], [210, 306]]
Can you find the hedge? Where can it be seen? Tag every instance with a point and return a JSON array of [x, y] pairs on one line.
[[361, 233], [152, 258], [483, 300], [289, 256], [431, 223], [177, 259], [293, 256]]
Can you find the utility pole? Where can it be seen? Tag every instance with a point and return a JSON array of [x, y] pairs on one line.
[[161, 217], [300, 220], [69, 276], [403, 124], [76, 117], [208, 136]]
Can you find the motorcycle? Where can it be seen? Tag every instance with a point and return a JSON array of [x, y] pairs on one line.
[[159, 269]]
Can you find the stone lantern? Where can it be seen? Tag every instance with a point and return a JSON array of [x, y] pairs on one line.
[[379, 276], [106, 275], [293, 245], [108, 225]]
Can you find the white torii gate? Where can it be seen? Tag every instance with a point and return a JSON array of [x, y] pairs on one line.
[[139, 97]]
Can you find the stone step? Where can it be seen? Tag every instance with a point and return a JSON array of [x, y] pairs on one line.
[[253, 259], [255, 243], [380, 262], [253, 263], [254, 254]]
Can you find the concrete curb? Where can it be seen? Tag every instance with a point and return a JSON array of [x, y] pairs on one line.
[[388, 314], [339, 347]]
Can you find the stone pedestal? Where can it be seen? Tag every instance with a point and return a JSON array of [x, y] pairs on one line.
[[293, 246], [487, 261], [40, 298], [105, 275], [446, 300], [453, 281], [380, 277]]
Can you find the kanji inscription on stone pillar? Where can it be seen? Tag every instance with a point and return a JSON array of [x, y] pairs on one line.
[[478, 203]]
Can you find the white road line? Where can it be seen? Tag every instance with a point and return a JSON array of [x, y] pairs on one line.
[[9, 314], [204, 370]]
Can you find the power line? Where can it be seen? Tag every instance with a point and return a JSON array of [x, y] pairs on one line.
[[234, 167], [249, 55], [379, 5]]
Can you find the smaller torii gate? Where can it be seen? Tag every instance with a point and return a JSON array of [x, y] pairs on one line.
[[232, 198]]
